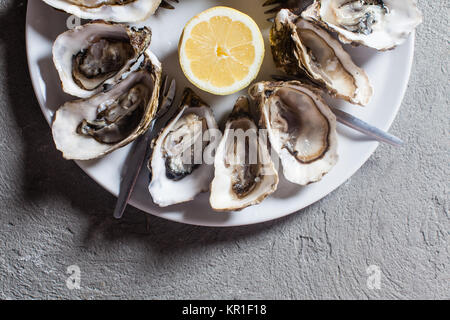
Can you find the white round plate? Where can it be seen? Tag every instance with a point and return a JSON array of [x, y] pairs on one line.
[[388, 71]]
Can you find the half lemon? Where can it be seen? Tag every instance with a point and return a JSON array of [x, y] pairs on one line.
[[221, 50]]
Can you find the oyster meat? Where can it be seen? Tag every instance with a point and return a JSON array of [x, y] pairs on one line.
[[301, 128], [379, 24], [95, 54], [244, 171], [301, 48], [179, 166], [109, 10], [91, 128]]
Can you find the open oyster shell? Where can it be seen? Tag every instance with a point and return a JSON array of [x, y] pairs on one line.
[[109, 10], [178, 166], [379, 24], [301, 128], [301, 48], [95, 54], [244, 171], [91, 128]]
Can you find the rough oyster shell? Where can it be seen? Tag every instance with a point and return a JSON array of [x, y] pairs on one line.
[[300, 48], [109, 10], [301, 128], [178, 168], [95, 54], [244, 172], [379, 24], [91, 128]]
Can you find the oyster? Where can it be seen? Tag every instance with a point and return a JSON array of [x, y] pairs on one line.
[[109, 10], [379, 24], [244, 171], [95, 54], [300, 47], [91, 128], [179, 170], [301, 128]]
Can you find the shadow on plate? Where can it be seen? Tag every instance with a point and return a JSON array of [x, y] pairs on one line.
[[42, 26], [53, 95]]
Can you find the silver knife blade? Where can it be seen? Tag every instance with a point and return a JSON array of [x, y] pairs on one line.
[[367, 129], [138, 155]]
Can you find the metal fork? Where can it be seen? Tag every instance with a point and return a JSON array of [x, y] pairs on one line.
[[355, 123], [297, 6], [166, 5], [141, 149]]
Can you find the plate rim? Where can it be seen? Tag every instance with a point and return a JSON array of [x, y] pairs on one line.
[[135, 204]]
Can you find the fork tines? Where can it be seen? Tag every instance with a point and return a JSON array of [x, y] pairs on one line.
[[274, 9], [166, 5], [167, 95], [297, 6]]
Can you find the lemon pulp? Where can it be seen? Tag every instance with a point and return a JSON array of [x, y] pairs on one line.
[[221, 50]]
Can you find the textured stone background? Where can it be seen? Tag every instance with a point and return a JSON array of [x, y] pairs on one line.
[[393, 213]]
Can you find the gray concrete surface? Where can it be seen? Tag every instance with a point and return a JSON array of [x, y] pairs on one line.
[[394, 213]]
